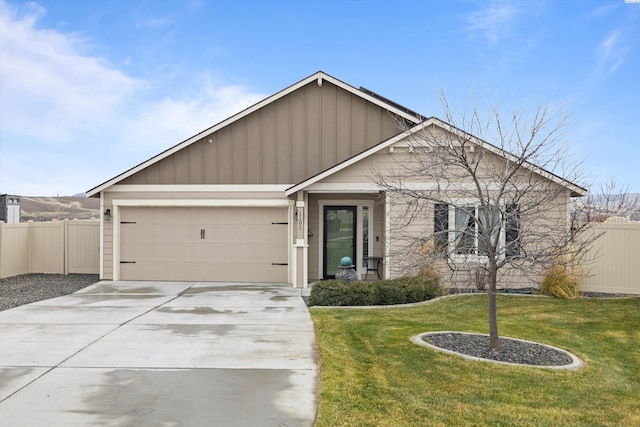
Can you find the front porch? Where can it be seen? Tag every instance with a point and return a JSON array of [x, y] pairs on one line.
[[336, 225]]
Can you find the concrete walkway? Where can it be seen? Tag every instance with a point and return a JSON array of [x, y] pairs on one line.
[[160, 354]]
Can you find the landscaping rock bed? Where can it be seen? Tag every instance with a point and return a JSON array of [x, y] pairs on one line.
[[25, 289], [510, 351]]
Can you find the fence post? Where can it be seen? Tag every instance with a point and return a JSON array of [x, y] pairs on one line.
[[65, 244], [30, 246]]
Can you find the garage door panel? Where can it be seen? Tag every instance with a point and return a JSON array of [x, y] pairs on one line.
[[204, 244]]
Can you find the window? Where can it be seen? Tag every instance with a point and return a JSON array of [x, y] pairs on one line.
[[512, 231], [469, 226], [472, 224], [441, 227]]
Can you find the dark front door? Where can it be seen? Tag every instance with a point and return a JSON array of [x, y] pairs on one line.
[[339, 237]]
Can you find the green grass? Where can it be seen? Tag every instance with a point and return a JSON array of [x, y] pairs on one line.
[[372, 375]]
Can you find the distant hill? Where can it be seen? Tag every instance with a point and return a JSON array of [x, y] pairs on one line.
[[58, 208]]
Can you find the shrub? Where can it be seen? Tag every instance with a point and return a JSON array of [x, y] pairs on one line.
[[433, 288], [383, 292], [391, 292], [363, 293], [560, 283], [329, 292], [430, 273]]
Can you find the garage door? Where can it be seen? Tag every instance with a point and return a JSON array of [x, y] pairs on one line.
[[204, 244]]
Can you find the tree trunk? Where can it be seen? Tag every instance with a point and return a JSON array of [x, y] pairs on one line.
[[494, 341]]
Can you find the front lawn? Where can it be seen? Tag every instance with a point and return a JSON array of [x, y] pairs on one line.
[[372, 375]]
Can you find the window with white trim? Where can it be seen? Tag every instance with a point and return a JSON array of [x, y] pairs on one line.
[[471, 224], [459, 229]]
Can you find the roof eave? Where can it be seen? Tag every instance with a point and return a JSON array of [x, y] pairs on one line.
[[576, 190], [319, 76]]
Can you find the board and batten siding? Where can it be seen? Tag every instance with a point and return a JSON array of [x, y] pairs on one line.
[[285, 142]]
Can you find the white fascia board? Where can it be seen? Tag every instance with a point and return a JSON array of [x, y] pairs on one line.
[[503, 153], [400, 138], [283, 203], [253, 188], [319, 76]]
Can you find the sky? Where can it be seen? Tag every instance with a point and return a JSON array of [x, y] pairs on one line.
[[91, 88]]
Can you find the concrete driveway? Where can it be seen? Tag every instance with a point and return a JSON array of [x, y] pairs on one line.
[[160, 354]]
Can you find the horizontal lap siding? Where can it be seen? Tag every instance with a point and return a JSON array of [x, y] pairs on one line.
[[406, 260]]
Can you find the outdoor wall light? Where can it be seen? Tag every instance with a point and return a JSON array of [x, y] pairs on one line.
[[107, 215]]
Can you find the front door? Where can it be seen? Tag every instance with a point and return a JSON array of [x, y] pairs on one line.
[[339, 237]]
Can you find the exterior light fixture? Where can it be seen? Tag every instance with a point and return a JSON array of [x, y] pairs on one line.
[[107, 215]]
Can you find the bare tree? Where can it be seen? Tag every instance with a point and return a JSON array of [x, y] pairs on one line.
[[487, 200]]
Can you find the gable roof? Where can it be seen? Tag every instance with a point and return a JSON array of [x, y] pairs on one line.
[[319, 77], [576, 190]]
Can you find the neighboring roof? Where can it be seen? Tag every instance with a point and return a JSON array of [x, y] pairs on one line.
[[318, 76], [576, 190]]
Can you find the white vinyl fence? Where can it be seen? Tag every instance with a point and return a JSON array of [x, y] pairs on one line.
[[64, 247]]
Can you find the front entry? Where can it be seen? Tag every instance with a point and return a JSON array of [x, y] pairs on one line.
[[339, 238]]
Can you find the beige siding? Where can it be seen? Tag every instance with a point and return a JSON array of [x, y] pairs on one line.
[[288, 141], [406, 259]]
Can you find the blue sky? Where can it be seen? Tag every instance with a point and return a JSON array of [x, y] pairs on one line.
[[90, 88]]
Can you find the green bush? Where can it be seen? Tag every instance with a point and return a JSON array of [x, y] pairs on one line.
[[383, 292], [363, 293], [391, 292], [330, 292], [433, 288]]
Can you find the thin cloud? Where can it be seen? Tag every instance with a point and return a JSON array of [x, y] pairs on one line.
[[50, 89], [168, 121], [153, 23], [603, 10], [494, 21], [63, 107], [610, 53]]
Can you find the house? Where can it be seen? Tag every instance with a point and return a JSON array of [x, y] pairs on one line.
[[279, 192]]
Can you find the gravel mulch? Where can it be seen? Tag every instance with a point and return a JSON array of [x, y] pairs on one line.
[[510, 351], [18, 290]]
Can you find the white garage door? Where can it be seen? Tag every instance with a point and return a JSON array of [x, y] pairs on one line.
[[204, 244]]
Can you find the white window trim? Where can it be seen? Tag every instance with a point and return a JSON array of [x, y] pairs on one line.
[[467, 258], [359, 230]]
